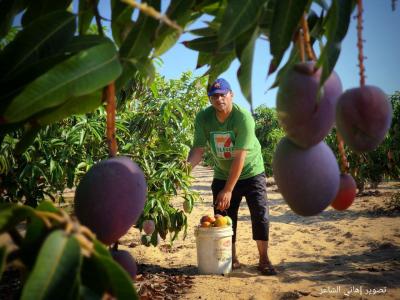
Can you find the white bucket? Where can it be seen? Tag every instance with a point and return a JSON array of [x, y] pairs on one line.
[[214, 249]]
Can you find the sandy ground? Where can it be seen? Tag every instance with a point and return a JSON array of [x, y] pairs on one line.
[[353, 254], [335, 255]]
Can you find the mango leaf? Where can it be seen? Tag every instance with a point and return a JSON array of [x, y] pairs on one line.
[[203, 59], [39, 8], [138, 43], [337, 24], [121, 23], [12, 214], [81, 74], [56, 268], [86, 14], [145, 68], [43, 37], [208, 44], [73, 106], [9, 8], [14, 84], [266, 17], [219, 64], [287, 15], [204, 31], [314, 25], [100, 249], [294, 58], [79, 43], [25, 75], [101, 273], [27, 138], [211, 7], [245, 53], [36, 232], [3, 256], [180, 12], [239, 17]]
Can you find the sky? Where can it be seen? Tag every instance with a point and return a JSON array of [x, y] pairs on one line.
[[381, 48]]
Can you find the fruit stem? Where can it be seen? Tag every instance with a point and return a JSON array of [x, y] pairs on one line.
[[306, 32], [300, 44], [109, 96], [360, 42], [344, 164]]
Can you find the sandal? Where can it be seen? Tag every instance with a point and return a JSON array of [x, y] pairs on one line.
[[267, 270], [236, 265]]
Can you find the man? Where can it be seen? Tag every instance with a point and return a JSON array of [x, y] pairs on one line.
[[239, 169]]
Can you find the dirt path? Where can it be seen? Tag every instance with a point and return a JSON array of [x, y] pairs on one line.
[[337, 255]]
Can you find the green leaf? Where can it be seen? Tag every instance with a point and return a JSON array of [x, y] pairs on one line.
[[164, 43], [47, 206], [74, 106], [203, 59], [13, 85], [101, 273], [121, 23], [27, 139], [219, 64], [204, 31], [180, 12], [12, 214], [245, 55], [145, 68], [81, 74], [39, 8], [86, 14], [79, 43], [287, 15], [293, 59], [208, 44], [28, 72], [337, 24], [211, 7], [36, 232], [56, 268], [239, 17], [101, 249], [266, 17], [49, 32], [138, 43]]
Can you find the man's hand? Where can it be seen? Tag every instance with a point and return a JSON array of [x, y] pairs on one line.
[[224, 199]]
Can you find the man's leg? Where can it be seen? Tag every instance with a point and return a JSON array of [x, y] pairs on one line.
[[256, 198], [264, 264]]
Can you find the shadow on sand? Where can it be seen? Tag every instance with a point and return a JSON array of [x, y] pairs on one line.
[[378, 267]]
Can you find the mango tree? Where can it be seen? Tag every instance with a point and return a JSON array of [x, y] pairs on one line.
[[55, 68]]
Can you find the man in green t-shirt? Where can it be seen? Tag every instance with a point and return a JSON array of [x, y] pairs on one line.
[[228, 130]]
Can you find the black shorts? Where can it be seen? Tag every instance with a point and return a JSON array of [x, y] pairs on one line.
[[254, 189]]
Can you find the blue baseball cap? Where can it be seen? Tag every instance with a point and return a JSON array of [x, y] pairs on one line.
[[220, 86]]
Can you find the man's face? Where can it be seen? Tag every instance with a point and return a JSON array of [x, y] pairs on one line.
[[222, 102]]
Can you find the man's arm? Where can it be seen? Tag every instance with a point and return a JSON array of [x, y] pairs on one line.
[[195, 156], [224, 197]]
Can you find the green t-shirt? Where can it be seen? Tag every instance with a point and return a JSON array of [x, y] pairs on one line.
[[237, 132]]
